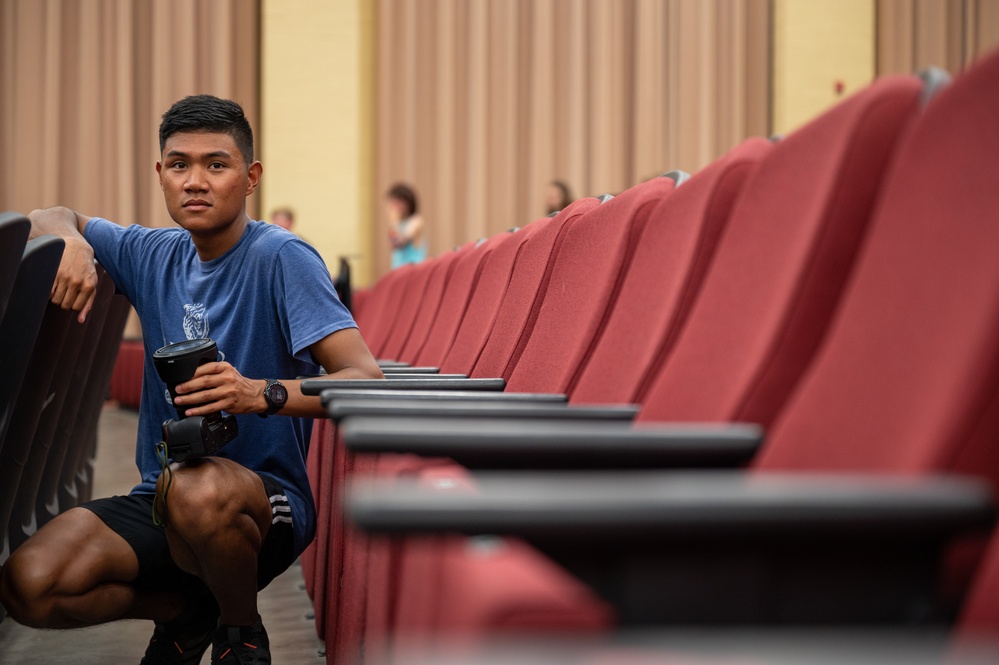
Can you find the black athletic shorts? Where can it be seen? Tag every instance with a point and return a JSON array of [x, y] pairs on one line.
[[131, 518]]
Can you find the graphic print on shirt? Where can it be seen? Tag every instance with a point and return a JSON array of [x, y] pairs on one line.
[[195, 327], [195, 323]]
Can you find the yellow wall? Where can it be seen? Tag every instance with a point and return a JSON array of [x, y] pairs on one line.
[[815, 44], [315, 128]]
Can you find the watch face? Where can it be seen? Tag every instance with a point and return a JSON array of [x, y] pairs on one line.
[[277, 393]]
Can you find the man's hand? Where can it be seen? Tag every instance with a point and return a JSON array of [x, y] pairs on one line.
[[220, 387], [76, 281]]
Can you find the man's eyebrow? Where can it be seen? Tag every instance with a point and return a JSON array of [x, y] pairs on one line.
[[210, 155]]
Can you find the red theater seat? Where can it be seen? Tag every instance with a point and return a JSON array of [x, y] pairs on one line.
[[126, 381], [454, 302], [904, 384]]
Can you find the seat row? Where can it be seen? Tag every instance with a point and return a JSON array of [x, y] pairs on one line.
[[765, 394], [54, 379]]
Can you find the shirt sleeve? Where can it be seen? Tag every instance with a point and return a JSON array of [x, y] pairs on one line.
[[311, 308], [109, 243], [126, 252]]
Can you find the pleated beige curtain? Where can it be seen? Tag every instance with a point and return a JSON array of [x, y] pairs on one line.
[[84, 83], [480, 103], [914, 34]]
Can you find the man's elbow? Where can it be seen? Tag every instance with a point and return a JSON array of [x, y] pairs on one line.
[[57, 220], [40, 213], [362, 370]]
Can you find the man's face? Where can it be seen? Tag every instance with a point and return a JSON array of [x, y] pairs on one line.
[[205, 181]]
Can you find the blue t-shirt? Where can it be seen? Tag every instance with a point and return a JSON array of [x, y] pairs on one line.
[[264, 302]]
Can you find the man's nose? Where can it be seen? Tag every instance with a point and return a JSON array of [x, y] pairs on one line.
[[195, 180]]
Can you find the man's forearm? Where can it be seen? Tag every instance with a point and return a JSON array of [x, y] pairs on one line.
[[306, 406], [220, 386], [61, 222]]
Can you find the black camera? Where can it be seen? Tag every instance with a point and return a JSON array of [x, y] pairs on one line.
[[196, 436]]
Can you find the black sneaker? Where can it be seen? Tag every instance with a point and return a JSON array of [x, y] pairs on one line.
[[241, 645], [184, 641], [168, 647]]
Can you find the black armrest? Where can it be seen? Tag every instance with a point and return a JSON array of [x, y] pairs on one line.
[[316, 386], [393, 374], [716, 547], [480, 443], [471, 407], [331, 395], [414, 370]]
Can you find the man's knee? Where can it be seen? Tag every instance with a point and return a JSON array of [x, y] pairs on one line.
[[193, 495], [26, 584], [209, 496]]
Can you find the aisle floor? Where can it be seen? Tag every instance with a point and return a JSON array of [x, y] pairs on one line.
[[283, 605]]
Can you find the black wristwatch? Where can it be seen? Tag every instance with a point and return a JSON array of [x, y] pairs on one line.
[[276, 396]]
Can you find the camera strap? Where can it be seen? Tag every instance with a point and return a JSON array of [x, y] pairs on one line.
[[163, 453]]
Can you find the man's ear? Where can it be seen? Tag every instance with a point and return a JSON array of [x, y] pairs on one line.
[[159, 172], [253, 174]]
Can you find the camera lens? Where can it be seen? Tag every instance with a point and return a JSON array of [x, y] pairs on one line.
[[176, 363], [178, 350]]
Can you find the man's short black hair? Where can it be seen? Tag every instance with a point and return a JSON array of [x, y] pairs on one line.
[[206, 113]]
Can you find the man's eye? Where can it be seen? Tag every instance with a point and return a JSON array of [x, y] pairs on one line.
[[178, 165], [217, 165]]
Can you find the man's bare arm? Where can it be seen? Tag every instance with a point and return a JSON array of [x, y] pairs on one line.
[[343, 355], [76, 281]]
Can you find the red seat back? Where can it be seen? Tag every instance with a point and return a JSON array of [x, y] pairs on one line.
[[528, 284], [454, 302], [407, 305], [908, 379], [432, 302], [664, 278], [380, 312], [485, 301], [585, 279], [782, 262], [421, 294]]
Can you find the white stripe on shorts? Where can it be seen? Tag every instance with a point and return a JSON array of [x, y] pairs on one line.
[[279, 504]]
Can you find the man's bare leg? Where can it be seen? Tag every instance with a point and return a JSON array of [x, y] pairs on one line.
[[76, 571], [217, 516]]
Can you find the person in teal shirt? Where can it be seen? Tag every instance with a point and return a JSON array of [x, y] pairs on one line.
[[405, 230]]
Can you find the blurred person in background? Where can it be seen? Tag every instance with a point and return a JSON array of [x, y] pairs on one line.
[[283, 217], [405, 226], [557, 196]]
